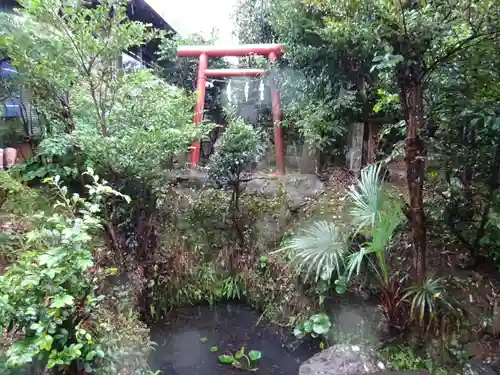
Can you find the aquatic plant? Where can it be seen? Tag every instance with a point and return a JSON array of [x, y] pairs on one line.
[[241, 360], [317, 325]]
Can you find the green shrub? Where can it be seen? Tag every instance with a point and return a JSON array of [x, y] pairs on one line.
[[16, 197], [51, 294], [240, 146]]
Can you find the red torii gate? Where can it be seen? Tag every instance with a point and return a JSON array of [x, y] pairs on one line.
[[272, 51]]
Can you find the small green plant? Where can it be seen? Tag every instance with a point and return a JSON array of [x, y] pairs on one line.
[[318, 325], [263, 259], [233, 287], [428, 299], [241, 360], [403, 357], [16, 197]]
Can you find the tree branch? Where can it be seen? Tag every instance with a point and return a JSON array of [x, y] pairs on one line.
[[462, 45]]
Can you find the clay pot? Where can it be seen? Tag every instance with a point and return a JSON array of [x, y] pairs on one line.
[[1, 159], [10, 155]]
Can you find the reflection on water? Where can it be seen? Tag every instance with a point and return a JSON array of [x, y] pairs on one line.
[[185, 341]]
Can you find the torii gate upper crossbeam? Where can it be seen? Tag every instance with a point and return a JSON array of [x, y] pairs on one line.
[[272, 51]]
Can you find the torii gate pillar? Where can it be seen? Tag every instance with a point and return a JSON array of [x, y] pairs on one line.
[[272, 51]]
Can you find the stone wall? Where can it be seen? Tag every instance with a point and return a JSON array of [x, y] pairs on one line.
[[200, 249]]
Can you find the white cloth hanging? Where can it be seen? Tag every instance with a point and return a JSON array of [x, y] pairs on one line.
[[261, 90]]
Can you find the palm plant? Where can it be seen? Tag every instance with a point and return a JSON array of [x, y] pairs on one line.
[[374, 212], [381, 236], [427, 298], [368, 199], [322, 249], [318, 250]]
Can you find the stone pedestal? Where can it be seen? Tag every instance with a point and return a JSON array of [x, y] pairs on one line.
[[355, 151]]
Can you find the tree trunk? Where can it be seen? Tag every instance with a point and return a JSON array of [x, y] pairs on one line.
[[495, 325], [412, 101]]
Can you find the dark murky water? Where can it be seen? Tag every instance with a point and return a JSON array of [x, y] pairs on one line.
[[182, 349]]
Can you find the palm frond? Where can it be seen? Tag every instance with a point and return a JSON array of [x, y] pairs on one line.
[[428, 297], [318, 250], [381, 237], [367, 198], [354, 262]]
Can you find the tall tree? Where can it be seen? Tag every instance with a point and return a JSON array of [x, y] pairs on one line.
[[415, 38], [327, 88]]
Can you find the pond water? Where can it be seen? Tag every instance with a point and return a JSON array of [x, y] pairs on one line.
[[185, 340]]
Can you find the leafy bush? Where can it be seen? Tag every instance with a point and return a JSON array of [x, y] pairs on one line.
[[51, 294], [120, 122], [124, 340], [240, 146], [16, 197]]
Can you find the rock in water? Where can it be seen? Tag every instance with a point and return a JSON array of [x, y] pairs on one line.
[[343, 360]]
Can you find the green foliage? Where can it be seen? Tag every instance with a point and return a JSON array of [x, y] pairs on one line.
[[233, 287], [466, 197], [318, 250], [429, 299], [369, 199], [16, 197], [404, 357], [240, 146], [9, 247], [124, 339], [118, 121], [150, 122], [51, 293], [242, 360], [53, 158], [317, 325], [182, 71], [325, 249], [381, 236]]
